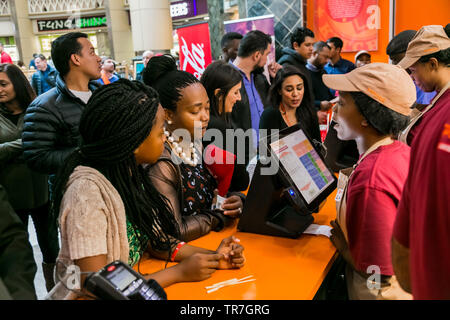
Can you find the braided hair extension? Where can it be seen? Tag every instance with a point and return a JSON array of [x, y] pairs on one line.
[[161, 73], [117, 119]]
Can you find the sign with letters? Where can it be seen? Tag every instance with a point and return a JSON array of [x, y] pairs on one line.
[[195, 48], [45, 25], [187, 8]]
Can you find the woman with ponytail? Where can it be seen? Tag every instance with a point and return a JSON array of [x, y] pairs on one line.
[[180, 173], [108, 208]]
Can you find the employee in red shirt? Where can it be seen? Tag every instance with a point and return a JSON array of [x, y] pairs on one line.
[[421, 238], [4, 56], [374, 104], [417, 63]]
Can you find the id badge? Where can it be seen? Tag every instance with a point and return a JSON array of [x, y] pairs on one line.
[[339, 194]]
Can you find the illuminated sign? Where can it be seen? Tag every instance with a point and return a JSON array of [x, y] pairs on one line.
[[71, 23], [188, 8], [179, 9]]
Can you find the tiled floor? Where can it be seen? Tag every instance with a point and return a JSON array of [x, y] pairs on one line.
[[39, 281]]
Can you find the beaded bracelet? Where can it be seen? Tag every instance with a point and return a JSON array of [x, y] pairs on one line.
[[172, 258]]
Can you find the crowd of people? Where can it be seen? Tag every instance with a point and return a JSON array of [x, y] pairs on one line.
[[118, 167]]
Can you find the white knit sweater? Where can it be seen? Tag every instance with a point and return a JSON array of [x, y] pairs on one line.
[[92, 221]]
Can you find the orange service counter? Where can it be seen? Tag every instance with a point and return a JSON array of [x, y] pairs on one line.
[[284, 269]]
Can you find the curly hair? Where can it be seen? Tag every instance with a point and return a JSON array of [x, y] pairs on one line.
[[381, 118]]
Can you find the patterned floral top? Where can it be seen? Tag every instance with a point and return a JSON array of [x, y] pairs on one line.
[[198, 188], [136, 249]]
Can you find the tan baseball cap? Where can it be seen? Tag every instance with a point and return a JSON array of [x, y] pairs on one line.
[[388, 84], [428, 40]]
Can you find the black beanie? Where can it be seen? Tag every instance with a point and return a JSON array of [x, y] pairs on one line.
[[399, 43]]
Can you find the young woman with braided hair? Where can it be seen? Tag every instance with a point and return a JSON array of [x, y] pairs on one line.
[[108, 207], [179, 174]]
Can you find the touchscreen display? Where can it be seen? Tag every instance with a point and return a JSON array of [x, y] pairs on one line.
[[303, 164], [121, 278]]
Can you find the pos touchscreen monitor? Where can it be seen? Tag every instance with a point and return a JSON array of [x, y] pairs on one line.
[[285, 191]]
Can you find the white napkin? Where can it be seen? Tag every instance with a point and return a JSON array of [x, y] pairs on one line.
[[317, 229]]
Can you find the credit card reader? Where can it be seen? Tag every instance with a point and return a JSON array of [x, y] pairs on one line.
[[118, 281]]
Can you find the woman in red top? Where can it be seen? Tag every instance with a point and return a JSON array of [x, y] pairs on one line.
[[374, 104]]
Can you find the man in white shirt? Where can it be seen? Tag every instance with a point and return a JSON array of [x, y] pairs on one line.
[[50, 131]]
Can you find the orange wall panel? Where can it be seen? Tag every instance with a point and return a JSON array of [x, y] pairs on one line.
[[410, 14], [383, 32], [413, 14]]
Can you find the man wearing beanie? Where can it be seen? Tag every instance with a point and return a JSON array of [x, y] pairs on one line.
[[396, 51]]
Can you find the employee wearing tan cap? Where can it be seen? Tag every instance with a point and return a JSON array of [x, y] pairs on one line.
[[396, 50], [420, 244], [428, 59], [374, 104]]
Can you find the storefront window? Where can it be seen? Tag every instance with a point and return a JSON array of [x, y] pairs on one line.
[[46, 42], [9, 44], [8, 41], [93, 40]]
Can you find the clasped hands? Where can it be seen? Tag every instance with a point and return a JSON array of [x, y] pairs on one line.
[[200, 266]]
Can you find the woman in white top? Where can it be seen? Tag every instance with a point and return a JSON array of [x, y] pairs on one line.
[[109, 209]]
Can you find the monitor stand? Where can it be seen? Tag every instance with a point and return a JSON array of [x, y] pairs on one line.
[[267, 212], [288, 222]]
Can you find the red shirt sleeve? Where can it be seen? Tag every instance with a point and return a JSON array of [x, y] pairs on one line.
[[401, 225], [370, 221], [6, 58]]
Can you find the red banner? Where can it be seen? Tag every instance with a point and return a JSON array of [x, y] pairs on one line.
[[356, 22], [195, 48]]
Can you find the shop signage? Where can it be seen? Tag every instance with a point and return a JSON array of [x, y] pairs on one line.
[[195, 48], [187, 8], [71, 23]]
